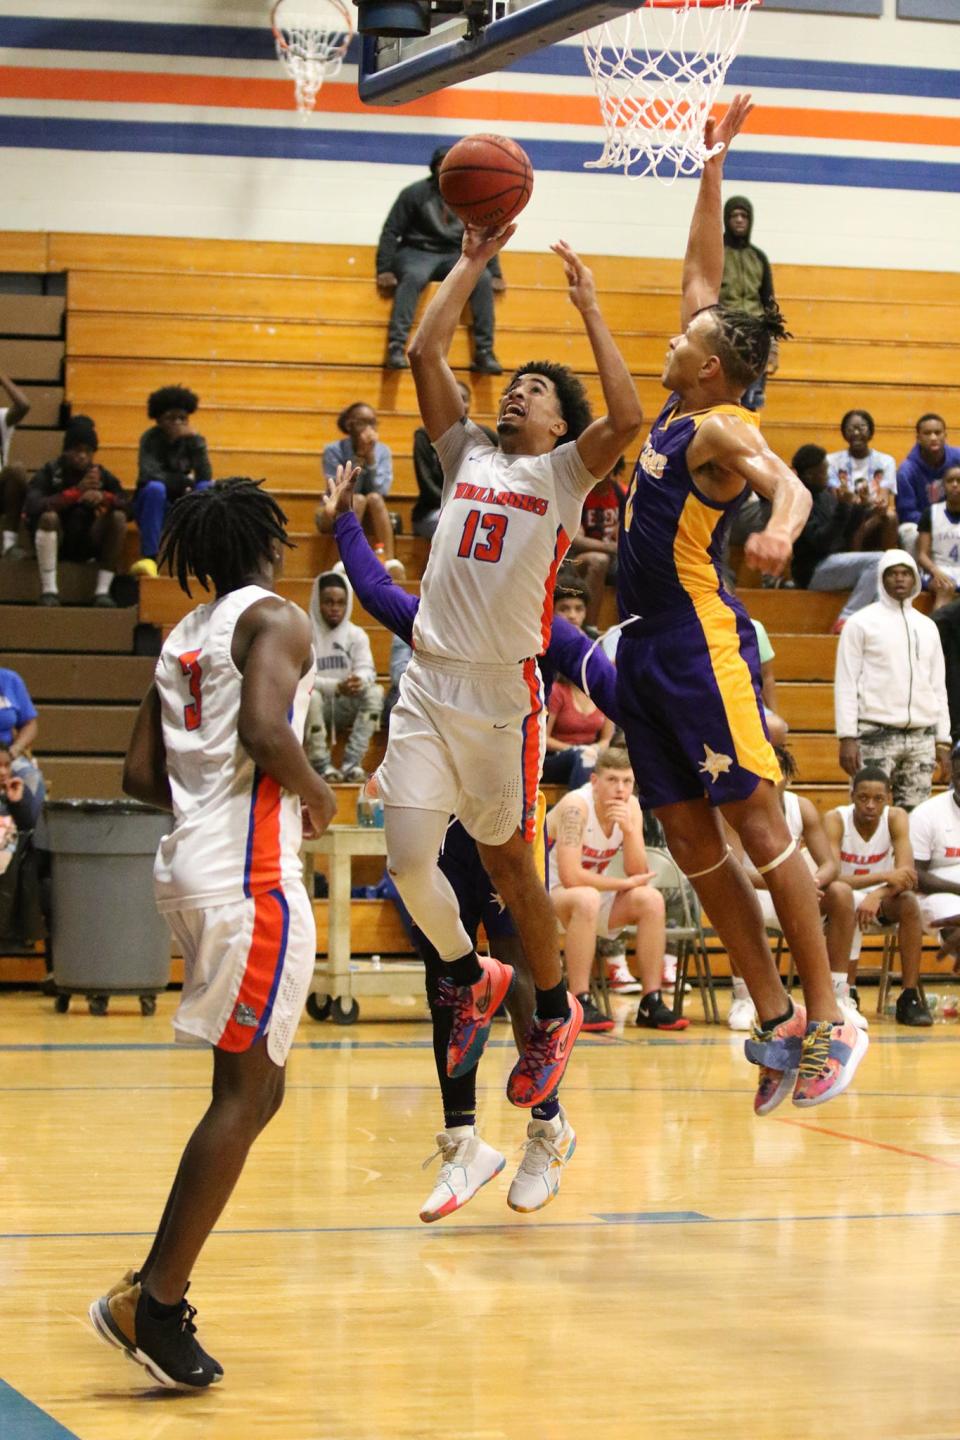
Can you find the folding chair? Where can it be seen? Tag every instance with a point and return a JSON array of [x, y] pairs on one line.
[[685, 930]]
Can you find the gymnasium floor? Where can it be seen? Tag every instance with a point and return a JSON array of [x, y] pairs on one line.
[[702, 1276]]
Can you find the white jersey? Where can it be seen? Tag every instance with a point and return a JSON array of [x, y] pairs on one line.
[[935, 835], [599, 848], [236, 834], [944, 535], [506, 523], [865, 857]]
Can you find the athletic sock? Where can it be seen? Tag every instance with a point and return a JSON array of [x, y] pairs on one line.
[[840, 986], [9, 540], [552, 1004], [47, 543], [104, 581], [780, 1020], [740, 988], [459, 1127], [465, 971], [549, 1110], [156, 1311]]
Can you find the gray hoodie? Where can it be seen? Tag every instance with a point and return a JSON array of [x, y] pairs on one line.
[[890, 669], [342, 651]]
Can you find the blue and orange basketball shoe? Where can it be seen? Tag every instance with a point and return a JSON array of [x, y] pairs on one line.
[[547, 1050], [777, 1052], [474, 1007]]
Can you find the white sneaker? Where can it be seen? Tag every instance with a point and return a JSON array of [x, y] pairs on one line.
[[468, 1164], [742, 1015], [850, 1012], [621, 982], [550, 1144]]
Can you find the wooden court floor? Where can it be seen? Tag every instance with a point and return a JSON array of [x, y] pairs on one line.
[[703, 1275]]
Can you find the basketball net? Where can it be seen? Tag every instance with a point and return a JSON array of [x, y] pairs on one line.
[[658, 73], [312, 37]]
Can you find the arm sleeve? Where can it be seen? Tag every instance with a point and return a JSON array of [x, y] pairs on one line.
[[38, 493], [921, 834], [391, 236], [847, 681], [26, 812], [361, 656], [938, 681], [766, 279], [566, 651], [383, 469], [332, 457], [908, 506], [819, 531], [149, 465], [200, 456], [26, 710], [925, 523], [428, 470], [373, 587]]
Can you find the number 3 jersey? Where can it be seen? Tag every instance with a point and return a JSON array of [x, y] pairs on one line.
[[506, 523], [236, 833]]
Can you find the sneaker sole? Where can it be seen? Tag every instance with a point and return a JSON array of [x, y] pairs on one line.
[[597, 1027], [846, 1075], [789, 1079], [105, 1330], [471, 1056], [454, 1204], [532, 1209]]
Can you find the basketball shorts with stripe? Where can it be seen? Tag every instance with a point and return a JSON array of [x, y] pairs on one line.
[[468, 741], [247, 968]]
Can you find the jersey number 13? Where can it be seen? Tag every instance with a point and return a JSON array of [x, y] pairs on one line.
[[490, 546]]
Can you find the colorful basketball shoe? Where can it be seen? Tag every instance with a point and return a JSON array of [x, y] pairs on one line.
[[550, 1144], [777, 1052], [474, 1007], [166, 1348], [832, 1050], [546, 1052], [468, 1164]]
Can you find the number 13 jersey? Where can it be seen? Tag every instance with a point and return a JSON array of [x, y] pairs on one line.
[[236, 833], [506, 523]]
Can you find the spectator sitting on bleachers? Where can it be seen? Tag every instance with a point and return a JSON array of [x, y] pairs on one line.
[[361, 446], [586, 831], [346, 696], [75, 508], [862, 474], [13, 478], [870, 839], [938, 541], [826, 553], [20, 807], [429, 473], [420, 241], [889, 690], [935, 841], [18, 731], [593, 550], [172, 460], [920, 475]]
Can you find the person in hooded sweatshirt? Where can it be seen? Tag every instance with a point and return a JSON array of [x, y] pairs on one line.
[[420, 241], [747, 281], [346, 696], [920, 475], [890, 691]]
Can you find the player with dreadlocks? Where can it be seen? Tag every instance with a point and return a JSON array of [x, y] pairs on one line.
[[218, 740], [688, 667]]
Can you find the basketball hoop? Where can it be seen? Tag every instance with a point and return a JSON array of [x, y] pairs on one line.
[[658, 73], [312, 38]]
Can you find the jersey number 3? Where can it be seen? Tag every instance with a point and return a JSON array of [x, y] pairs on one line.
[[494, 527], [193, 712]]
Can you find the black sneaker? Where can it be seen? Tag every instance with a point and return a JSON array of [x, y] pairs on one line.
[[911, 1009], [653, 1014], [167, 1349], [397, 359], [594, 1020], [486, 363]]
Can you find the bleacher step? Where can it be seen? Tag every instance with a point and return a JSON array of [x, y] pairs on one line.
[[67, 628]]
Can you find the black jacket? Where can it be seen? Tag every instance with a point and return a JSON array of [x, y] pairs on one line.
[[420, 219], [826, 533], [52, 489], [179, 464]]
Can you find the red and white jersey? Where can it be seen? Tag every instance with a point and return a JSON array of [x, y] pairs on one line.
[[935, 834], [236, 833], [865, 857], [505, 525], [599, 848]]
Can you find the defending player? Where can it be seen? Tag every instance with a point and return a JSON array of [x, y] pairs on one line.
[[688, 672], [467, 732], [219, 740]]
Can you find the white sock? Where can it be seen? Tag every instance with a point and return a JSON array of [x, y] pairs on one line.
[[104, 581], [740, 991], [9, 540], [47, 543], [840, 986], [461, 1132]]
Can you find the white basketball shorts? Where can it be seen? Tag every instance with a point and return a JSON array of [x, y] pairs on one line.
[[468, 740], [247, 968], [937, 909]]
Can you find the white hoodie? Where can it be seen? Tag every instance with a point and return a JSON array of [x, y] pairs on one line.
[[342, 651], [890, 669]]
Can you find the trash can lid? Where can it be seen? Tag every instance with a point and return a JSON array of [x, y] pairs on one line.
[[103, 807]]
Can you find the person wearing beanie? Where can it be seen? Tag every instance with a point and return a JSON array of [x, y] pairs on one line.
[[172, 459], [76, 509], [420, 241], [747, 281]]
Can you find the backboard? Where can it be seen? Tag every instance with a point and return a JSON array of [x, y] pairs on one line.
[[393, 71]]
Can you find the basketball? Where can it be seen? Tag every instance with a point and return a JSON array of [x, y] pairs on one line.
[[486, 180]]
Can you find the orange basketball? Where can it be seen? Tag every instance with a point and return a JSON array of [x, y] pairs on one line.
[[486, 179]]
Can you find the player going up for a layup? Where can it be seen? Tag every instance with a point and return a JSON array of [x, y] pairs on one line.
[[688, 670], [467, 732]]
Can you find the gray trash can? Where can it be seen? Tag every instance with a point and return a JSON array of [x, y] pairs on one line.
[[106, 936]]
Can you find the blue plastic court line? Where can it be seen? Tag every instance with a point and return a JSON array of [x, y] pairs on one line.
[[279, 142], [596, 1222], [20, 1419]]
